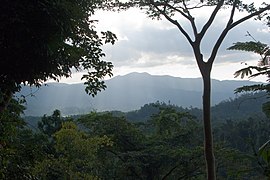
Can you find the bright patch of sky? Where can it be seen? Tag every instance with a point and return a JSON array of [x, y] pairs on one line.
[[158, 47]]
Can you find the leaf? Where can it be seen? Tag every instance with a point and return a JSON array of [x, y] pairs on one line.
[[251, 46], [243, 72]]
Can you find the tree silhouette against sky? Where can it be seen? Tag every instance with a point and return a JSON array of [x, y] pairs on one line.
[[172, 10]]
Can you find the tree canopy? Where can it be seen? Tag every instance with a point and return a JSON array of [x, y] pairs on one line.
[[50, 39]]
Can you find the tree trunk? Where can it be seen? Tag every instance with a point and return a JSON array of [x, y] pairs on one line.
[[208, 137]]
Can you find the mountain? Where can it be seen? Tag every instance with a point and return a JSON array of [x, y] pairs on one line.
[[125, 93]]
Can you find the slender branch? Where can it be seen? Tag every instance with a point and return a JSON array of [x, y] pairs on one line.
[[172, 7], [250, 16], [199, 5], [222, 35], [188, 16], [231, 25], [191, 19], [174, 22], [232, 13], [248, 34], [211, 19]]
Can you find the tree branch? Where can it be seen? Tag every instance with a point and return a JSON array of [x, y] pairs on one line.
[[222, 35], [172, 7], [250, 16], [191, 19], [173, 22], [231, 25], [187, 15], [211, 19]]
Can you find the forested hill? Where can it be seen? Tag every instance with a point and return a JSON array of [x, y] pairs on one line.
[[240, 108], [244, 107], [125, 93]]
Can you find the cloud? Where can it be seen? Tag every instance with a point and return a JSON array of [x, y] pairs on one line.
[[153, 46]]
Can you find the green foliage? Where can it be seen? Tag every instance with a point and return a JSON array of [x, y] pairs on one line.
[[148, 110], [140, 151], [123, 133], [20, 148], [262, 69], [46, 39], [240, 108], [246, 135], [51, 124], [155, 9], [234, 164], [251, 46], [103, 146], [9, 122], [171, 10], [168, 121], [27, 149], [75, 156], [245, 139]]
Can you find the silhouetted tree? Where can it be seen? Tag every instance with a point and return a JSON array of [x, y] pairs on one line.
[[48, 39], [185, 8]]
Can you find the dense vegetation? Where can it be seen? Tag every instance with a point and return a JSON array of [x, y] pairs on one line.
[[167, 143], [46, 39]]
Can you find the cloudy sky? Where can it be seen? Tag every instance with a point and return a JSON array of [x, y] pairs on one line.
[[157, 47]]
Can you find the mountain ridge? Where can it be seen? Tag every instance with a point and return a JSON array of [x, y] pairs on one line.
[[126, 93]]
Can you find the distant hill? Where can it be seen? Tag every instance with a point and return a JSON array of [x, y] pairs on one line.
[[125, 93], [244, 107], [240, 108]]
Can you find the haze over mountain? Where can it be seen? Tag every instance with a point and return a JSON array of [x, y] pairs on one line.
[[125, 93]]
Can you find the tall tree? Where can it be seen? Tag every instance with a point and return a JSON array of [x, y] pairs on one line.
[[48, 39], [171, 10]]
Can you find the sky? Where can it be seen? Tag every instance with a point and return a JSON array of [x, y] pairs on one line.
[[158, 47]]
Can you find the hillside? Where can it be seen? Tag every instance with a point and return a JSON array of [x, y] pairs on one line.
[[125, 93], [240, 108]]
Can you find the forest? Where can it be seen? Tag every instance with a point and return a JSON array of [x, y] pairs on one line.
[[158, 141], [44, 40]]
